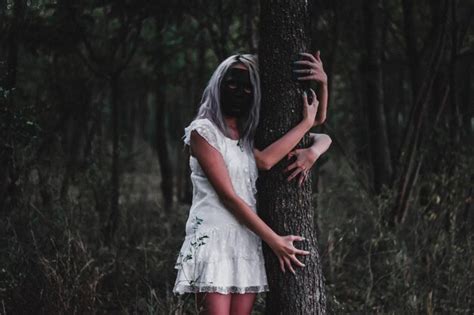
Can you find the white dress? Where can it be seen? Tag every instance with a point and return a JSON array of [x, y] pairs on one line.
[[219, 254]]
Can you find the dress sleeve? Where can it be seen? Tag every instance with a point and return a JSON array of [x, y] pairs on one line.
[[206, 129]]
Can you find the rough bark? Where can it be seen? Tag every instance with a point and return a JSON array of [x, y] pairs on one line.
[[284, 206]]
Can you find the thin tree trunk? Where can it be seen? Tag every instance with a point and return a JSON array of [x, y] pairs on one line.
[[162, 148], [284, 206], [465, 98], [455, 115], [379, 145], [250, 34], [409, 29], [411, 158], [199, 80], [112, 222], [8, 172]]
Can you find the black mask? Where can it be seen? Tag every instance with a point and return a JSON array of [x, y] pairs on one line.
[[236, 93]]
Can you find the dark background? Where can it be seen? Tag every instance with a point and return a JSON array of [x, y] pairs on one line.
[[94, 184]]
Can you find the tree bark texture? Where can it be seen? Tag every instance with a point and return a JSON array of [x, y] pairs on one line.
[[284, 206]]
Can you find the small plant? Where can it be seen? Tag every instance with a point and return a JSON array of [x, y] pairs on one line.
[[196, 242]]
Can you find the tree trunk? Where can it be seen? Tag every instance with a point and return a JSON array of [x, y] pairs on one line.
[[162, 147], [378, 139], [284, 206], [250, 34], [410, 32], [411, 155], [114, 216], [9, 173], [197, 81]]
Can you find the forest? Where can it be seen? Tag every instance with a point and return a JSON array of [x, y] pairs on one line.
[[95, 183]]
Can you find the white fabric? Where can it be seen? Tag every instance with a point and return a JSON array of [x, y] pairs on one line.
[[220, 254]]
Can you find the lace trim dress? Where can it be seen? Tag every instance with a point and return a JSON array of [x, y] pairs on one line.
[[220, 254]]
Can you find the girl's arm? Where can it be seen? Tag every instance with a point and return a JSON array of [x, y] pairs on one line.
[[272, 154], [321, 142], [213, 165], [305, 158], [318, 75], [323, 104]]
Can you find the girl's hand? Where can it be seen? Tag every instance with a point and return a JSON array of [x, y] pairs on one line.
[[305, 159], [310, 110], [283, 248], [314, 69]]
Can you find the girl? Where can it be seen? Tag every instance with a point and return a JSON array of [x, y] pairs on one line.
[[221, 259]]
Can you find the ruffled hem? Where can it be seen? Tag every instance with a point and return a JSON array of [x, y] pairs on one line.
[[235, 275], [224, 259], [182, 289]]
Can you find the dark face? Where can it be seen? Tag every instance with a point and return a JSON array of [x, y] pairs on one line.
[[236, 93]]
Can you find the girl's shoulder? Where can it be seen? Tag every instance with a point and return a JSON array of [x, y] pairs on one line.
[[203, 122], [206, 129]]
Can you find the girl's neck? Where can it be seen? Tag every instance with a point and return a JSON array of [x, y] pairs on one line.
[[233, 124]]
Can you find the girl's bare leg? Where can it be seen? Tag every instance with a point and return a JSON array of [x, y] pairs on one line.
[[242, 304], [213, 303]]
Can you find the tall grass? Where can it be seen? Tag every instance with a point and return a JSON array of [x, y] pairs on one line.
[[53, 259]]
